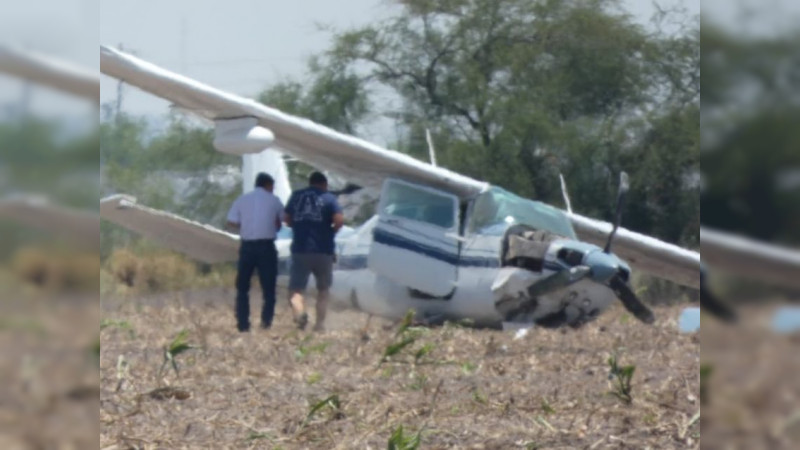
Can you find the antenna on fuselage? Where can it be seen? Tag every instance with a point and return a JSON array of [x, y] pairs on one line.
[[564, 192], [623, 192], [431, 150]]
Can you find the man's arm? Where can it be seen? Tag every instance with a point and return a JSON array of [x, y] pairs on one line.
[[234, 218], [279, 217], [287, 217], [233, 227], [338, 222], [338, 217]]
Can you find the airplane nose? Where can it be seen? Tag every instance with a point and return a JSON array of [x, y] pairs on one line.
[[604, 266]]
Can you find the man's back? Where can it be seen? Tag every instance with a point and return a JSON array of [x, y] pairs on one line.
[[312, 210], [258, 212]]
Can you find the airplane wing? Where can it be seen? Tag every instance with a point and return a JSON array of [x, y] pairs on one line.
[[50, 72], [644, 253], [78, 226], [198, 241], [749, 258], [359, 161]]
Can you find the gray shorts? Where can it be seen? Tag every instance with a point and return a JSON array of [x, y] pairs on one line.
[[305, 264]]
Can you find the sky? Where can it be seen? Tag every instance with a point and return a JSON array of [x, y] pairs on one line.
[[245, 45], [241, 47], [66, 29]]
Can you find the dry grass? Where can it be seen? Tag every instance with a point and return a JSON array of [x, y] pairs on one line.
[[50, 392], [56, 271], [127, 272], [753, 389], [456, 387]]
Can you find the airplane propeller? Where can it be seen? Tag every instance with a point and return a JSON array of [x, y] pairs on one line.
[[712, 304], [616, 283], [630, 300]]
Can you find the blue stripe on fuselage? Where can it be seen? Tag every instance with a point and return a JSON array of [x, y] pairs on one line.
[[394, 240], [359, 261]]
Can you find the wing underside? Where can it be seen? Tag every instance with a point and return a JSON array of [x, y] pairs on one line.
[[198, 241]]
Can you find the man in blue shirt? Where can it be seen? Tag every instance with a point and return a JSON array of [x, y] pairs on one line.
[[315, 217], [256, 217]]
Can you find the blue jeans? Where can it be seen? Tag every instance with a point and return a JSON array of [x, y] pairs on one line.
[[254, 255]]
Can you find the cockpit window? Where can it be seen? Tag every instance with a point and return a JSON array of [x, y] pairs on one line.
[[411, 202], [497, 209]]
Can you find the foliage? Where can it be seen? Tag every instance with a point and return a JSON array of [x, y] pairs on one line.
[[621, 377], [516, 91], [706, 370], [42, 157], [304, 350], [405, 337], [400, 440], [54, 269], [331, 402], [137, 269], [395, 347], [178, 345], [749, 155]]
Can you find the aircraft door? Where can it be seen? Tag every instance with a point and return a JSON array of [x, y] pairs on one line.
[[416, 240]]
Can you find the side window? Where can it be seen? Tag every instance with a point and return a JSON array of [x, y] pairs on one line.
[[485, 213], [416, 203]]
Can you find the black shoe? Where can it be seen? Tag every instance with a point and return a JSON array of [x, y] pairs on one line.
[[243, 329], [301, 321], [266, 326]]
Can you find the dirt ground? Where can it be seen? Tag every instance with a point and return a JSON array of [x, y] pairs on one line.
[[455, 386], [49, 371], [753, 387]]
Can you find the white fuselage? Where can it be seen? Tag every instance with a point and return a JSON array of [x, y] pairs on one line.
[[356, 285]]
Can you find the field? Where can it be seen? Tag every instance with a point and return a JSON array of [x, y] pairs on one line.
[[452, 386], [49, 397]]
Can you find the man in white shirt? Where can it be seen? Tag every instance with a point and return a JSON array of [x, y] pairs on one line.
[[256, 217]]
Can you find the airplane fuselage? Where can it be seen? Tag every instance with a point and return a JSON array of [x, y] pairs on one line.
[[478, 267]]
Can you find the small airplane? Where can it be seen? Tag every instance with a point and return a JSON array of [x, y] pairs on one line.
[[445, 245]]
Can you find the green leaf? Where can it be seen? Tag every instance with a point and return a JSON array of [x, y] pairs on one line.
[[423, 351], [330, 402], [399, 440], [395, 348]]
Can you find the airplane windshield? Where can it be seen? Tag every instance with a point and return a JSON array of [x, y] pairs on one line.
[[497, 209]]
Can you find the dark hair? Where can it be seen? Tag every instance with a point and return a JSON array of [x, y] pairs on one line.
[[264, 180], [317, 178]]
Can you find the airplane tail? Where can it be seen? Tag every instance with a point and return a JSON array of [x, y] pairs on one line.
[[269, 161]]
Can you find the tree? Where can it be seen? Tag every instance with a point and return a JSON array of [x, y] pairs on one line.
[[750, 158], [516, 91]]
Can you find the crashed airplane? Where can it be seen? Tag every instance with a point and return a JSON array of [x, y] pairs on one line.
[[442, 244]]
